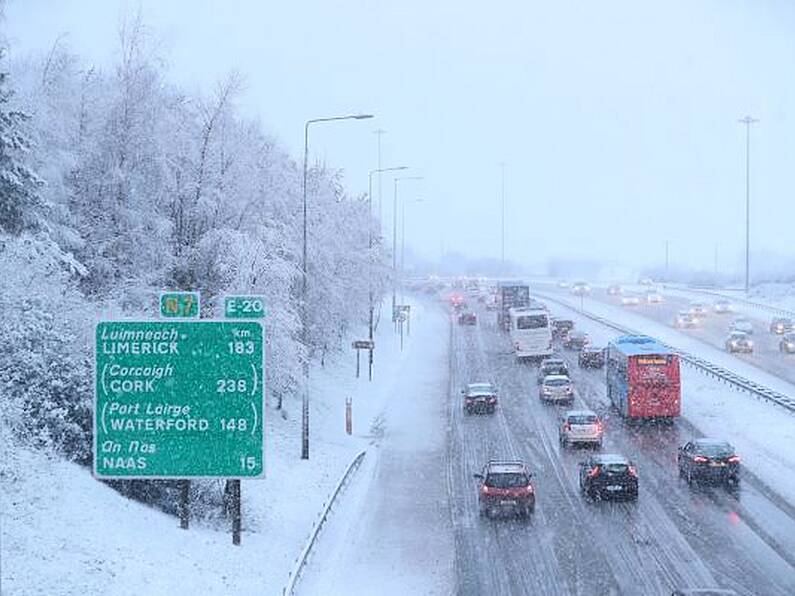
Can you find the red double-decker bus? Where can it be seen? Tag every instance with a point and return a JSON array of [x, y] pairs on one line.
[[643, 378]]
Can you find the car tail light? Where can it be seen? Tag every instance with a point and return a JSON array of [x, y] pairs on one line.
[[633, 472], [700, 459], [484, 489], [599, 426], [734, 459], [594, 472], [567, 426], [529, 489]]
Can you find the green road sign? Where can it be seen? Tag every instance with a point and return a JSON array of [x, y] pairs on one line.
[[178, 399], [179, 305], [244, 307]]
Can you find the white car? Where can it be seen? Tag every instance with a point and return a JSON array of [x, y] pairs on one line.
[[556, 388], [685, 320], [722, 307], [580, 426], [743, 325], [654, 298], [698, 309], [630, 300], [580, 288], [739, 342]]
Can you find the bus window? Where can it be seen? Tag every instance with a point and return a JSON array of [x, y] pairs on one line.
[[532, 322]]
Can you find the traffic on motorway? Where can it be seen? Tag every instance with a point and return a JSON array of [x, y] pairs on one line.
[[641, 382]]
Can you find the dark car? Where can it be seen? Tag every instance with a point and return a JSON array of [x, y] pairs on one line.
[[560, 327], [708, 459], [737, 341], [552, 366], [506, 486], [591, 357], [608, 476], [781, 325], [467, 318], [576, 340], [479, 397]]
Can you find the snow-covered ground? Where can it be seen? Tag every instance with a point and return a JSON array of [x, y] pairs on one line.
[[762, 432], [65, 533], [392, 532]]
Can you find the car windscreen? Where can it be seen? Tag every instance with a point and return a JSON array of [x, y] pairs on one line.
[[507, 480], [615, 467], [715, 449], [556, 382], [480, 388], [583, 419], [532, 322]]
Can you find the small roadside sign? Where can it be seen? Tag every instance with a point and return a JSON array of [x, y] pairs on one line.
[[179, 305], [364, 344], [244, 307]]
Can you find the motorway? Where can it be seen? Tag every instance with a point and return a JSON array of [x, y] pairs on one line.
[[713, 329], [673, 536]]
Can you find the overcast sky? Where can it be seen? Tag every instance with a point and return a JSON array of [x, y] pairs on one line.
[[618, 122]]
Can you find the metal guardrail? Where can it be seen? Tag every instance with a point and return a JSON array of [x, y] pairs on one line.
[[783, 312], [705, 366], [302, 559]]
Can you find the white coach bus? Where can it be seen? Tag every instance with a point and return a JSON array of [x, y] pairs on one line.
[[530, 331]]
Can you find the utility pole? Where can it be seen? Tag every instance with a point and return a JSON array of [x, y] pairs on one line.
[[394, 241], [748, 121], [379, 132], [502, 209]]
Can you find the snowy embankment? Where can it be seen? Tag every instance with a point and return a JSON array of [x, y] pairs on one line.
[[762, 432], [65, 533]]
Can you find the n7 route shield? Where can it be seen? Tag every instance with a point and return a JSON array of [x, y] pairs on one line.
[[179, 399]]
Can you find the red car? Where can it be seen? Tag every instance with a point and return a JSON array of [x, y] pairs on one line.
[[467, 318], [505, 487]]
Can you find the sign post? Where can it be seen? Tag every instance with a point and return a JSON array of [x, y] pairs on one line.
[[178, 399], [363, 344]]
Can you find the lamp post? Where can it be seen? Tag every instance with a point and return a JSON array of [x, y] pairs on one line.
[[748, 121], [370, 247], [502, 209], [305, 326], [394, 239]]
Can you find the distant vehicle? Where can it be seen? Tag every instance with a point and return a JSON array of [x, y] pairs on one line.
[[646, 281], [742, 324], [781, 325], [684, 319], [580, 426], [557, 388], [654, 298], [552, 366], [708, 459], [479, 397], [607, 477], [739, 341], [580, 288], [506, 486], [591, 357], [722, 307], [630, 300], [643, 378], [787, 343], [576, 340], [563, 283], [457, 301], [613, 290], [510, 295], [531, 335], [560, 327], [699, 309], [491, 302], [467, 318]]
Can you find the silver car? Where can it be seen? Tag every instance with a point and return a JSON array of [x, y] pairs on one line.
[[739, 341], [787, 343], [580, 426], [556, 388]]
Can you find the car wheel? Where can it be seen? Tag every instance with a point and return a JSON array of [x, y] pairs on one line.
[[491, 409]]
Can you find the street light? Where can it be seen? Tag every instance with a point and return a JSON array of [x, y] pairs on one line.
[[748, 121], [305, 327], [502, 209], [370, 246], [394, 239]]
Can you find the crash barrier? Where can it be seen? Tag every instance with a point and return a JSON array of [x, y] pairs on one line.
[[303, 558], [713, 370], [774, 310]]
